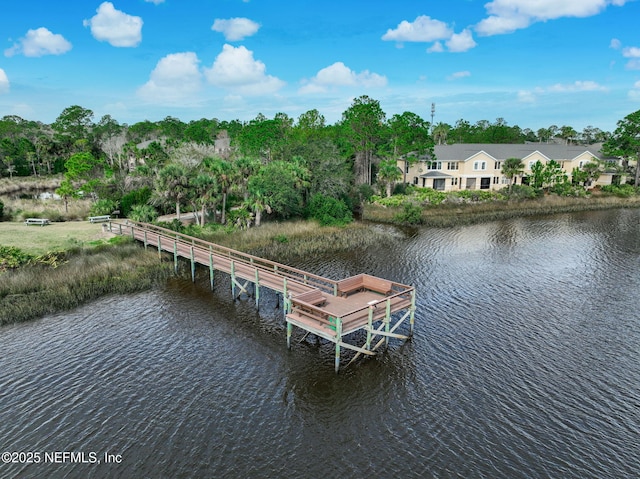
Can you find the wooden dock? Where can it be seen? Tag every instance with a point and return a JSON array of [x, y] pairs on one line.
[[327, 308]]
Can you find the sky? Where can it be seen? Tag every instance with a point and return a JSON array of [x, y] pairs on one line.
[[534, 63]]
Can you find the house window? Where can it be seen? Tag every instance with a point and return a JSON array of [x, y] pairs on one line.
[[497, 165], [406, 167], [434, 165], [496, 180], [485, 183], [531, 163], [505, 180], [581, 164], [480, 165], [438, 184], [454, 181], [415, 180], [452, 165]]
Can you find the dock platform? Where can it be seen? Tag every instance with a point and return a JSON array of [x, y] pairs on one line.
[[328, 308]]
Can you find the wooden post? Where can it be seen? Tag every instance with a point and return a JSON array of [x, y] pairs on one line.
[[145, 239], [338, 339], [175, 255], [120, 225], [133, 235], [257, 287], [286, 304], [289, 329], [387, 320], [233, 279], [335, 289], [211, 268], [193, 266], [412, 311], [370, 327], [159, 246]]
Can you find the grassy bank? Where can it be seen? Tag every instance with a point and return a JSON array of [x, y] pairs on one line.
[[445, 215], [89, 267], [54, 237], [86, 274], [286, 242], [19, 184]]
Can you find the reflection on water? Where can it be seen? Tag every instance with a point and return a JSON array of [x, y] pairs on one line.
[[524, 364]]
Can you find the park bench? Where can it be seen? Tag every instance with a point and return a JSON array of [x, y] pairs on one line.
[[98, 219], [314, 297], [364, 282], [37, 221]]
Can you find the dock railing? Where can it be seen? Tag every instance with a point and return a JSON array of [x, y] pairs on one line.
[[148, 233]]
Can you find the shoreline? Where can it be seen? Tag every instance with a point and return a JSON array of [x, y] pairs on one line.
[[447, 215], [88, 272]]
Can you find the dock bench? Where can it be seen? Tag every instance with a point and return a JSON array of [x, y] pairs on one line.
[[37, 221], [314, 297], [98, 219], [364, 282]]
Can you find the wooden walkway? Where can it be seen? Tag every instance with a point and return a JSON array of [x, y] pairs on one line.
[[321, 306]]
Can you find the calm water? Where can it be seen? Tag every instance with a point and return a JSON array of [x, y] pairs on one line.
[[525, 363]]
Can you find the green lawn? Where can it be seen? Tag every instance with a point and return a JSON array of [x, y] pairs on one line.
[[54, 237]]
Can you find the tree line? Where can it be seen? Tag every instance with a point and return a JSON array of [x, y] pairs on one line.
[[214, 167]]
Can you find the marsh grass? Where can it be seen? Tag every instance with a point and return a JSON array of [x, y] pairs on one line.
[[29, 183], [286, 242], [447, 215], [54, 210], [33, 291]]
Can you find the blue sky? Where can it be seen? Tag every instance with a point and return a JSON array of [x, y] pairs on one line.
[[532, 62]]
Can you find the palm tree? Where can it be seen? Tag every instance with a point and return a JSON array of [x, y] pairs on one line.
[[440, 132], [388, 174], [224, 173], [511, 168], [172, 184], [205, 193], [259, 203]]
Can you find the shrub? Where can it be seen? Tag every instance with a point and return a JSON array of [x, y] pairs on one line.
[[329, 211], [568, 189], [521, 192], [1, 210], [411, 215], [136, 197], [623, 191], [103, 207], [143, 213]]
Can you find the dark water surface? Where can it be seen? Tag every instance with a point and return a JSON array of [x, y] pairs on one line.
[[525, 363]]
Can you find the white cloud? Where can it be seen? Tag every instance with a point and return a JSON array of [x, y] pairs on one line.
[[461, 74], [156, 2], [435, 48], [525, 96], [236, 70], [615, 44], [422, 29], [634, 93], [530, 96], [337, 75], [506, 16], [39, 42], [427, 29], [461, 42], [577, 86], [4, 82], [115, 26], [235, 29], [633, 64], [175, 78], [631, 52]]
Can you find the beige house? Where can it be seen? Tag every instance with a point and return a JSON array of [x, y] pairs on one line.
[[479, 166]]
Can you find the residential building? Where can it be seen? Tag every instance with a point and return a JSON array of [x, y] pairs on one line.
[[467, 166]]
